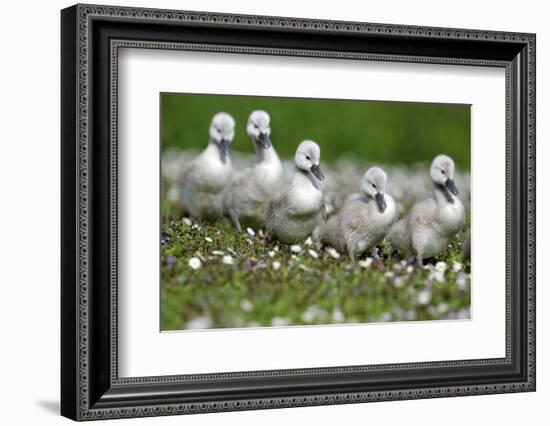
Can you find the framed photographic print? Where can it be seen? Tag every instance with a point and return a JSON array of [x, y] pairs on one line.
[[263, 212]]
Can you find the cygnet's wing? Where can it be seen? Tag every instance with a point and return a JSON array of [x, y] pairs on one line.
[[353, 215], [275, 212], [423, 213]]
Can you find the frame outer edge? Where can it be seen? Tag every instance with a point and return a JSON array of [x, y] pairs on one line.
[[80, 207]]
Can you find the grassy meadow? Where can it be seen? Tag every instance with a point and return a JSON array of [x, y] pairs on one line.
[[214, 277]]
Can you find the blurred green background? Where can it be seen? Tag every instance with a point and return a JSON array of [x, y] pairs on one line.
[[381, 132]]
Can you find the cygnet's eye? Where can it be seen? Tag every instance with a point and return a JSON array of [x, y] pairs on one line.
[[373, 185], [443, 171], [307, 157]]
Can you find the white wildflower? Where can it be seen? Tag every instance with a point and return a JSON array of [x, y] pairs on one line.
[[249, 241], [199, 323], [217, 253], [313, 253], [442, 308], [208, 239], [338, 316], [333, 253], [230, 250], [276, 265], [295, 248], [441, 266], [385, 317], [250, 232], [457, 267], [398, 282], [187, 221], [424, 297], [365, 263], [271, 253], [228, 260], [437, 275], [280, 321], [308, 241], [410, 269], [246, 305], [314, 313], [195, 263]]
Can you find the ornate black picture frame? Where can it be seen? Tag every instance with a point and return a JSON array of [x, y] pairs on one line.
[[91, 36]]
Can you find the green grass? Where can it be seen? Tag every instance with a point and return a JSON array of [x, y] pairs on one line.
[[305, 290], [377, 132]]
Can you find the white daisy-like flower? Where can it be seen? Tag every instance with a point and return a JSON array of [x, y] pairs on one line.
[[410, 269], [314, 313], [313, 253], [295, 248], [194, 263], [385, 317], [398, 282], [218, 253], [308, 241], [365, 263], [208, 239], [424, 297], [187, 221], [332, 253], [228, 260], [338, 316], [246, 305], [457, 267], [276, 265], [442, 308], [250, 232], [280, 321], [441, 266], [199, 323], [271, 253], [437, 275]]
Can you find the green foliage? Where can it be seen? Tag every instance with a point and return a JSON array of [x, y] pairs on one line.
[[378, 132], [305, 290]]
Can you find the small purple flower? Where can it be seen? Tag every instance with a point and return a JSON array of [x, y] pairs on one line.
[[170, 262]]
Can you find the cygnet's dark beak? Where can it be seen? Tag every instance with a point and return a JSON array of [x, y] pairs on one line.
[[380, 201], [450, 184], [316, 170], [225, 149], [263, 139]]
